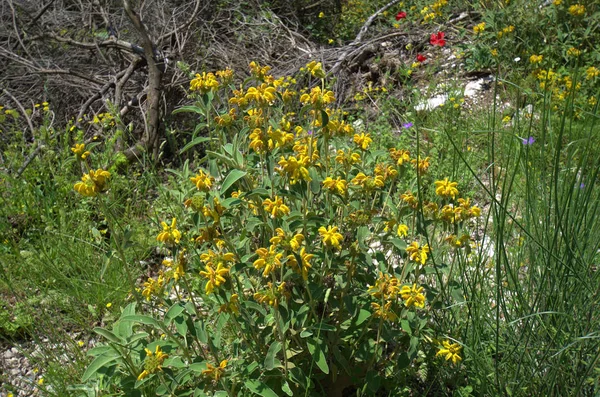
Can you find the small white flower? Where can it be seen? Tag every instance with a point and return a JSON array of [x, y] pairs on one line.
[[517, 59]]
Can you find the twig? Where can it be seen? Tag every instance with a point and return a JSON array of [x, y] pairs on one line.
[[358, 39], [22, 109]]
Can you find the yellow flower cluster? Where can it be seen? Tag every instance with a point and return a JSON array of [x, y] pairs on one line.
[[592, 72], [203, 181], [577, 10], [416, 253], [268, 259], [386, 287], [315, 68], [79, 151], [317, 98], [215, 269], [573, 52], [330, 236], [337, 185], [92, 183], [413, 296], [273, 294], [446, 189], [536, 58], [506, 30], [204, 83], [450, 351], [276, 208], [368, 183], [479, 28], [170, 234], [153, 362], [154, 287], [362, 140], [215, 373]]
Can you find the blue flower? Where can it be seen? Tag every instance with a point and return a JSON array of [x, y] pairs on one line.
[[528, 141]]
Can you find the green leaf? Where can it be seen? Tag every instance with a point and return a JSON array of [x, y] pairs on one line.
[[259, 388], [188, 109], [108, 335], [173, 312], [314, 347], [138, 318], [285, 387], [400, 244], [363, 315], [98, 363], [231, 178], [194, 142], [270, 358]]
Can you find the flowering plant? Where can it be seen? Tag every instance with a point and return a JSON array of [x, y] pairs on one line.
[[299, 260]]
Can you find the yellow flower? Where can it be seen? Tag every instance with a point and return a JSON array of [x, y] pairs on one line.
[[273, 294], [153, 287], [536, 58], [317, 98], [479, 28], [450, 351], [232, 306], [330, 41], [385, 312], [363, 140], [93, 183], [263, 95], [410, 199], [40, 381], [557, 2], [153, 362], [330, 236], [170, 234], [368, 182], [204, 83], [577, 10], [316, 69], [386, 287], [283, 240], [402, 230], [421, 165], [494, 52], [413, 296], [203, 181], [338, 185], [446, 188], [79, 151], [305, 265], [591, 72], [215, 373], [276, 208], [225, 75], [416, 253], [295, 168], [268, 259], [506, 119], [321, 14], [215, 277], [400, 156], [574, 52], [347, 158]]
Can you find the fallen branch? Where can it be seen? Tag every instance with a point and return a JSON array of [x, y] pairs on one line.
[[22, 109], [363, 30]]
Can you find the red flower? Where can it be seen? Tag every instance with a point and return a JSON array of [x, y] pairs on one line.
[[438, 39], [400, 15], [421, 58]]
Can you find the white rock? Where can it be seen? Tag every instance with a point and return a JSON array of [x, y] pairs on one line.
[[432, 103]]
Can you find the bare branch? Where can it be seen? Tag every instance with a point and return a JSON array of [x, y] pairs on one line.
[[22, 109]]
